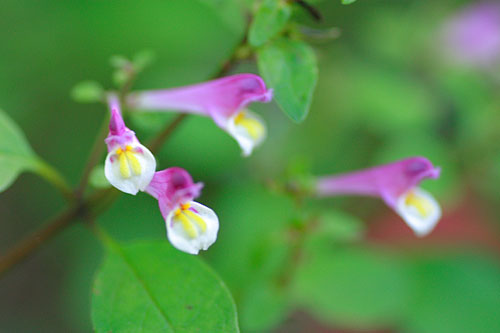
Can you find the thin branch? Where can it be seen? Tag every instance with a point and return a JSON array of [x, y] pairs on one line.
[[31, 243], [313, 11], [94, 156], [161, 137], [99, 201]]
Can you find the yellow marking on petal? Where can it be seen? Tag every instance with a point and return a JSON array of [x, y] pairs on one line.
[[185, 206], [254, 127], [187, 225], [421, 204], [128, 148], [124, 168], [119, 151], [197, 219], [133, 161]]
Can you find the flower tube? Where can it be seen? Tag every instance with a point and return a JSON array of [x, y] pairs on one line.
[[129, 165], [224, 100], [397, 184], [191, 226]]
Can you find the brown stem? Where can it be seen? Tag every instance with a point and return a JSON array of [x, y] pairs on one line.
[[99, 201], [161, 137], [31, 243], [95, 155]]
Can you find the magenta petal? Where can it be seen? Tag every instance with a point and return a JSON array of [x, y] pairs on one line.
[[473, 35], [172, 187], [218, 98], [119, 134], [387, 181]]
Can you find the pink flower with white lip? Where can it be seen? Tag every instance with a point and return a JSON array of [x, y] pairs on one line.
[[397, 184], [224, 100], [191, 227], [129, 165]]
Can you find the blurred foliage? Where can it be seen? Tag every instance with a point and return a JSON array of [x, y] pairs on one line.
[[384, 92]]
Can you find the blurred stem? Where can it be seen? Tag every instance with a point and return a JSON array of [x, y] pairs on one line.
[[161, 137], [94, 156], [100, 200], [31, 243], [54, 177]]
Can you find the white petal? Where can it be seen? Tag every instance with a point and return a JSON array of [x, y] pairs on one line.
[[134, 183], [180, 239], [247, 137], [422, 218]]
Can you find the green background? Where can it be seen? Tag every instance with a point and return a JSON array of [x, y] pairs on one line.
[[385, 91]]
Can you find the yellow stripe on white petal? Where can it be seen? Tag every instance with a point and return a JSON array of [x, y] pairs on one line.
[[192, 227], [130, 168], [419, 209], [248, 129]]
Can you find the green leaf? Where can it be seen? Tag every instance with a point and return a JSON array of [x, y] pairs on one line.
[[339, 226], [456, 294], [143, 59], [348, 2], [270, 19], [87, 92], [16, 154], [97, 178], [264, 307], [353, 287], [289, 67], [151, 287]]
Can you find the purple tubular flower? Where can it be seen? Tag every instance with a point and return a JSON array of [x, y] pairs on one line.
[[397, 184], [129, 165], [222, 99], [473, 35], [191, 226]]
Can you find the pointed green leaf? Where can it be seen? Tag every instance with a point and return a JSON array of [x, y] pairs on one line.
[[348, 2], [289, 67], [151, 287], [16, 154], [270, 19], [87, 92]]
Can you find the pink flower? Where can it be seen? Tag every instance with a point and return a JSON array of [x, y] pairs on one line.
[[472, 36], [191, 227], [129, 165], [224, 100], [397, 184]]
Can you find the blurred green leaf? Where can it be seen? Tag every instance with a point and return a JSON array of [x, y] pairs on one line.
[[229, 11], [143, 59], [120, 76], [456, 294], [87, 92], [264, 307], [348, 2], [386, 100], [353, 287], [97, 178], [119, 61], [289, 67], [152, 287], [270, 19], [16, 154], [340, 226]]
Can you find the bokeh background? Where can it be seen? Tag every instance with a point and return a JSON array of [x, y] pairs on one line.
[[389, 87]]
